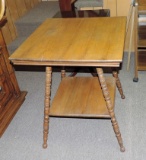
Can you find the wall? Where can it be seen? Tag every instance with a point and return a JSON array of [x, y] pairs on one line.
[[121, 8]]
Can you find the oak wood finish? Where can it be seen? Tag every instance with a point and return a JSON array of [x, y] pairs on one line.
[[47, 105], [80, 49], [110, 107], [83, 14], [118, 83], [63, 73], [73, 99], [117, 8], [97, 42]]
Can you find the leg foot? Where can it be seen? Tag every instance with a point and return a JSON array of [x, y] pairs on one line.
[[45, 146], [123, 96], [135, 79], [63, 73], [110, 108], [122, 149]]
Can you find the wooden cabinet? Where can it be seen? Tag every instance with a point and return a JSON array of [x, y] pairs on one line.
[[140, 37], [11, 97]]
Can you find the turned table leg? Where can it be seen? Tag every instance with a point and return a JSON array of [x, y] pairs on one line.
[[110, 107], [63, 73], [118, 83], [47, 105]]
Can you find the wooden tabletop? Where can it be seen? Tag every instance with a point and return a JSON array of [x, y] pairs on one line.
[[74, 42]]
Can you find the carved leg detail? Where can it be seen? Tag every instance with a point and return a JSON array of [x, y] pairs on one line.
[[63, 73], [118, 83], [110, 108], [47, 105]]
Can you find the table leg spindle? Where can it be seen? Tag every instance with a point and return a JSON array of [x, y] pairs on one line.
[[63, 73], [110, 108], [118, 83], [47, 105]]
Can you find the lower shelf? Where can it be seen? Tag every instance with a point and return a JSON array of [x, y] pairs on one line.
[[82, 97], [10, 110]]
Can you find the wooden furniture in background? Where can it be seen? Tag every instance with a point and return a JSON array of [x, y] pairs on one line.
[[140, 37], [117, 7], [11, 97], [14, 10], [66, 5], [92, 97]]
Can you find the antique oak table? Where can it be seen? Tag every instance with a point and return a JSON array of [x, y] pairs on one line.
[[82, 42]]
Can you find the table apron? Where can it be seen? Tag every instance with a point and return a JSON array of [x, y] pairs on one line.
[[82, 64]]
